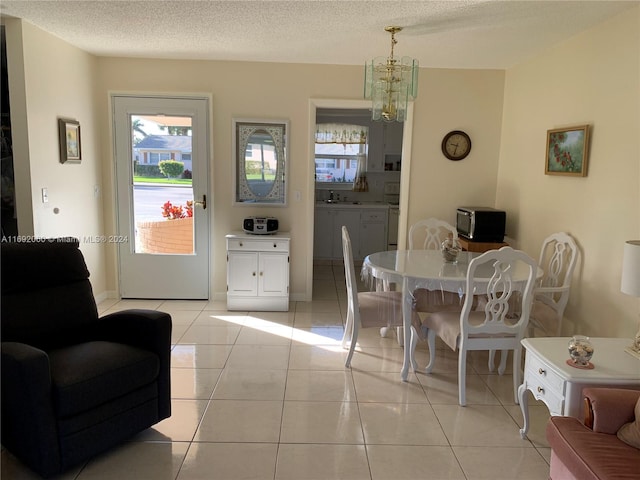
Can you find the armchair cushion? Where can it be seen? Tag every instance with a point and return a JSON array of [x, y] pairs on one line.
[[89, 374]]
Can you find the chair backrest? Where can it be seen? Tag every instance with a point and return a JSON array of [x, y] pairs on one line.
[[47, 299], [511, 278], [429, 234], [350, 277], [558, 258]]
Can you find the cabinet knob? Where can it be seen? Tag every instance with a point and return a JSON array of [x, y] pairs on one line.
[[253, 274], [540, 390], [261, 273], [542, 371], [241, 244], [275, 245]]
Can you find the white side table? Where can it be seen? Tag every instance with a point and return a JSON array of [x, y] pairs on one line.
[[559, 386]]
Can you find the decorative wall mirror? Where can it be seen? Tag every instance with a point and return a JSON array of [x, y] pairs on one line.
[[259, 148]]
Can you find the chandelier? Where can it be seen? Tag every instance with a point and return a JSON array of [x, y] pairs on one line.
[[390, 83]]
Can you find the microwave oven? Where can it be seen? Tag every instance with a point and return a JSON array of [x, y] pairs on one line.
[[260, 225], [481, 224]]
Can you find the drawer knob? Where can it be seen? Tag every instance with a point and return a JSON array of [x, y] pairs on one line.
[[542, 371], [540, 390], [275, 245], [240, 243]]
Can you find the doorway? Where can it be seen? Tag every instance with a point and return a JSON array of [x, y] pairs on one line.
[[405, 173], [162, 186]]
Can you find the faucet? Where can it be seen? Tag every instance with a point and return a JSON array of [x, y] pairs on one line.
[[331, 195]]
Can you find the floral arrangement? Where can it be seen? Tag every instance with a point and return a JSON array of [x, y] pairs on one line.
[[171, 212]]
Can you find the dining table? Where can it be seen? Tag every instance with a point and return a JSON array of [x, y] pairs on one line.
[[427, 269]]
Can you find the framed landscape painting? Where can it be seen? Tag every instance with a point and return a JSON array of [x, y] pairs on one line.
[[567, 151], [70, 148]]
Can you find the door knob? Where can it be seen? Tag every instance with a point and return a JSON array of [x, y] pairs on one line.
[[202, 203]]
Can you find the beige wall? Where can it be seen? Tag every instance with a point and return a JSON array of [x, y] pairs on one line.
[[448, 100], [51, 79], [594, 79]]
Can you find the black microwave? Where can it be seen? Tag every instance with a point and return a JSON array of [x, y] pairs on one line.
[[481, 224]]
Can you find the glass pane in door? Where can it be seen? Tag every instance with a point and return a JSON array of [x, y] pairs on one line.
[[162, 184]]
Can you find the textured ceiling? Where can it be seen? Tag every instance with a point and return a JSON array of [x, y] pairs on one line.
[[441, 34]]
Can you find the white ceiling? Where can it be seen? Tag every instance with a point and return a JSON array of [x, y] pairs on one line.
[[439, 34]]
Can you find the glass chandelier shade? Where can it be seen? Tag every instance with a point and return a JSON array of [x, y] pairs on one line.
[[390, 83]]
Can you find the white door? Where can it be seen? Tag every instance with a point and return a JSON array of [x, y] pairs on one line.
[[162, 156]]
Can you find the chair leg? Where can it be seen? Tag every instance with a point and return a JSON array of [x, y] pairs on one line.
[[348, 330], [352, 346], [414, 344], [517, 356], [462, 377], [503, 361], [491, 364], [431, 342]]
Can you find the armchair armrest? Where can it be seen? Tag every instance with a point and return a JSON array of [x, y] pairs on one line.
[[607, 409], [147, 329], [28, 420]]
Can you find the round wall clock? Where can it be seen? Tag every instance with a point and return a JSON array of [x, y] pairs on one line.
[[456, 145]]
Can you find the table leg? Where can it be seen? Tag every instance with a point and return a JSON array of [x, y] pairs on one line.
[[406, 323], [524, 406]]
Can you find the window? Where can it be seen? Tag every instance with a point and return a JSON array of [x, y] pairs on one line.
[[340, 151], [337, 163], [157, 157]]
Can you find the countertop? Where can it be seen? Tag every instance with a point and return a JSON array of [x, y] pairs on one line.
[[352, 205]]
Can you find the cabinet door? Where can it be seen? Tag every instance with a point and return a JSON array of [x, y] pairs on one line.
[[323, 233], [351, 219], [273, 274], [393, 138], [375, 152], [242, 273], [373, 238]]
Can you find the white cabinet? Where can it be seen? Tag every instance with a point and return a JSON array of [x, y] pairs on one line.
[[327, 232], [258, 272], [373, 231], [367, 228], [385, 146]]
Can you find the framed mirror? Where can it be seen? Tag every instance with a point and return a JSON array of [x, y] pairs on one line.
[[260, 148]]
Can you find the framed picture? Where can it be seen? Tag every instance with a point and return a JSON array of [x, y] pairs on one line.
[[567, 151], [70, 146]]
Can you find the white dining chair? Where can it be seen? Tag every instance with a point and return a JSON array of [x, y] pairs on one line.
[[429, 234], [499, 326], [365, 309], [558, 258]]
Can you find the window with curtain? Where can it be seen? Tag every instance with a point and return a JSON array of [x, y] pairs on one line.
[[340, 154]]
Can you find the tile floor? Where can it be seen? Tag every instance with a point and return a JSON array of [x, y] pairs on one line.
[[266, 396]]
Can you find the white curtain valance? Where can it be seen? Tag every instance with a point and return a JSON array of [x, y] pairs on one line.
[[341, 133]]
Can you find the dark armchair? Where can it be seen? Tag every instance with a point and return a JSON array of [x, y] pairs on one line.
[[73, 384]]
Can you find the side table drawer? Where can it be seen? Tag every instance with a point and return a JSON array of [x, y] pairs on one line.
[[258, 245], [540, 371], [541, 391]]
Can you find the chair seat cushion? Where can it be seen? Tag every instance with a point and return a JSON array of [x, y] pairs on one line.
[[90, 374], [380, 309], [447, 326]]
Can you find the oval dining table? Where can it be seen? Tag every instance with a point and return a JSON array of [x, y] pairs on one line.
[[426, 269]]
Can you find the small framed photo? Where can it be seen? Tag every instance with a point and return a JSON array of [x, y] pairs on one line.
[[70, 145], [567, 151]]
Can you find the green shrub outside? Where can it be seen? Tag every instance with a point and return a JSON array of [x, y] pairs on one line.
[[171, 168], [150, 171]]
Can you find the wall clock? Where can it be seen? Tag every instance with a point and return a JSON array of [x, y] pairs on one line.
[[456, 145]]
